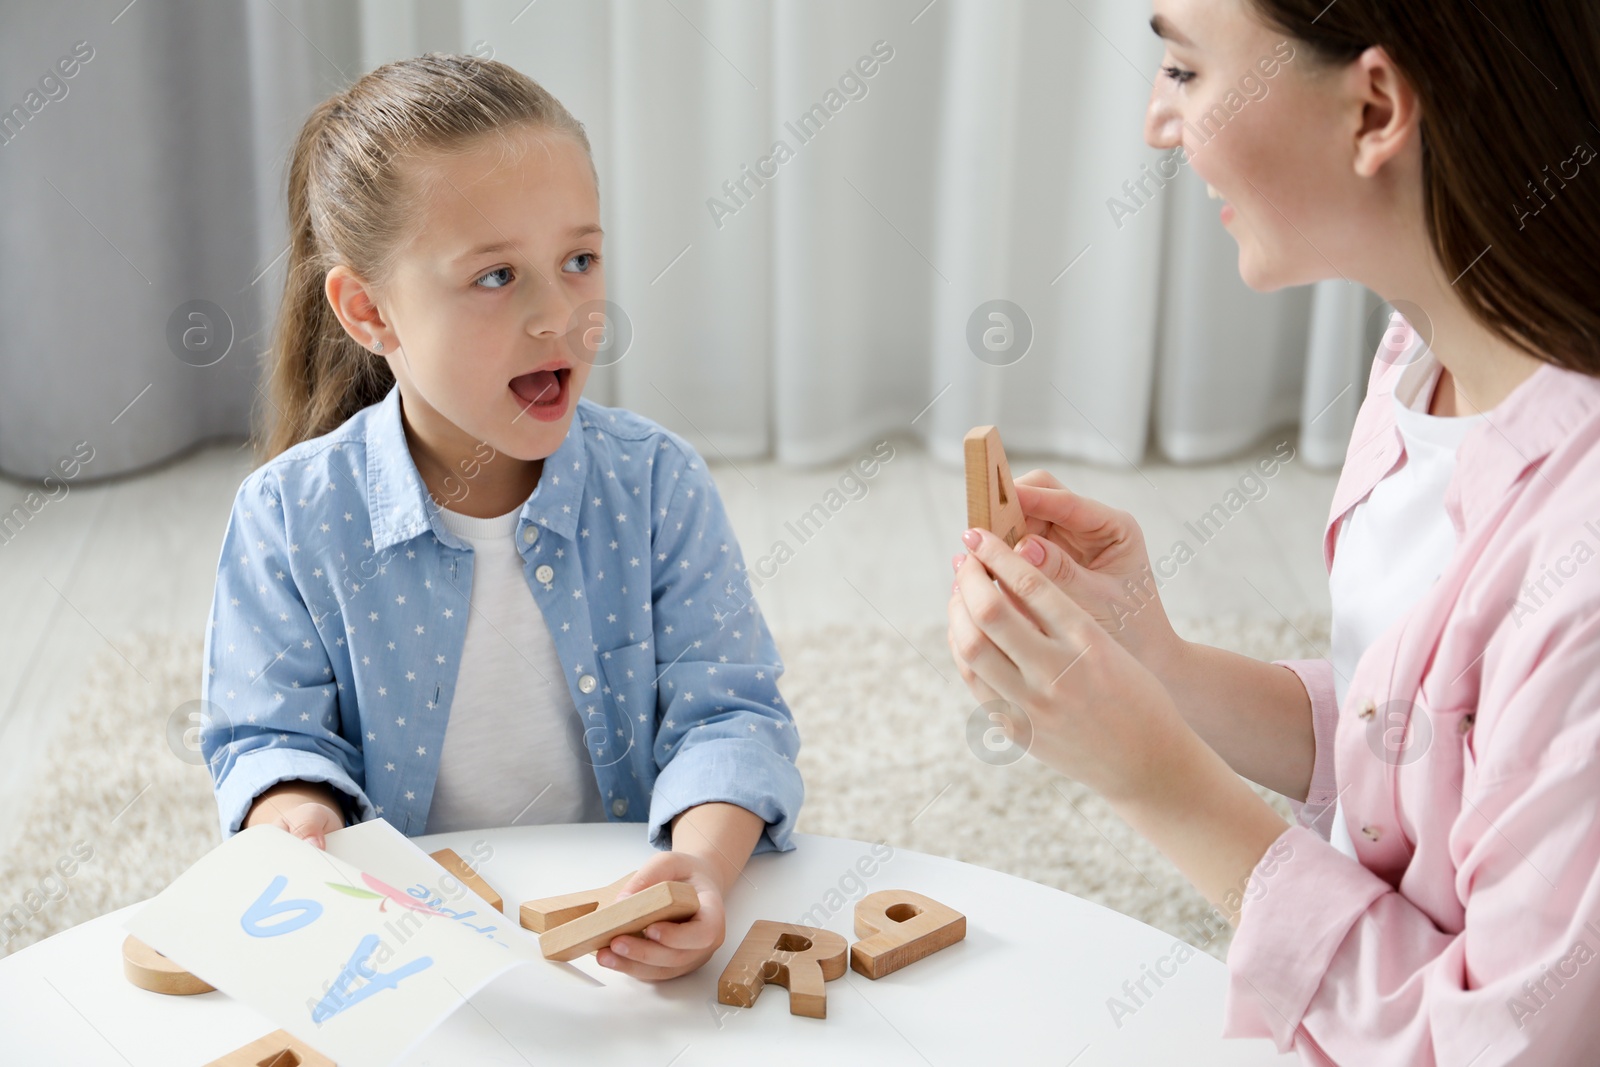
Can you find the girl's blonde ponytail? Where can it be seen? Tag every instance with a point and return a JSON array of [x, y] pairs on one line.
[[317, 376]]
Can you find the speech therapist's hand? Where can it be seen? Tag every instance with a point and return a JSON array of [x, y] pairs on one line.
[[1096, 555], [1097, 715]]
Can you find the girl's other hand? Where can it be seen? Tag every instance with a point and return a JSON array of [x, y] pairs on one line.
[[669, 949], [305, 809], [312, 821]]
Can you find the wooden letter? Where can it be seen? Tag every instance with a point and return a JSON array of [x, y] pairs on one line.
[[799, 958], [548, 913], [992, 502], [277, 1049], [149, 969], [900, 927], [447, 858], [630, 915]]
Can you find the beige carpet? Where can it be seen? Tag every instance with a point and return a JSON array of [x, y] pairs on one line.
[[884, 753]]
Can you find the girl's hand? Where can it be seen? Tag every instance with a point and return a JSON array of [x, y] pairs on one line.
[[312, 820], [670, 949], [1097, 556], [1097, 715], [305, 809]]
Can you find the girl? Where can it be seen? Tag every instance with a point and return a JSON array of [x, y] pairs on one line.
[[456, 594], [1437, 152]]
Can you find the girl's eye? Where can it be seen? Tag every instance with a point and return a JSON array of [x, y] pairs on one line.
[[590, 257], [493, 273], [1178, 74]]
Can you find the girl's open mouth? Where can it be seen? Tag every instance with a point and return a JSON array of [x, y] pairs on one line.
[[543, 394]]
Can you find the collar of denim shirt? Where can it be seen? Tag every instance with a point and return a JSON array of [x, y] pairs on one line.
[[401, 507]]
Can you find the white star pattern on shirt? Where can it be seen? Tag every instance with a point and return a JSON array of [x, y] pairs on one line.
[[271, 624]]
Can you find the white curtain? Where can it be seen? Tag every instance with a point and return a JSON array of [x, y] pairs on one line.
[[804, 315]]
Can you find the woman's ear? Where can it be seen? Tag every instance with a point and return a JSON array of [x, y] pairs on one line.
[[1391, 115], [355, 305]]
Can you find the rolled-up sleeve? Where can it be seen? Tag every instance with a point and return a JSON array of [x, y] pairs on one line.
[[1316, 811], [724, 733], [1331, 959], [268, 686]]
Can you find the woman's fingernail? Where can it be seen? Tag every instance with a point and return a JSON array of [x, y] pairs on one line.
[[1032, 551], [955, 561], [653, 934], [972, 539], [620, 950]]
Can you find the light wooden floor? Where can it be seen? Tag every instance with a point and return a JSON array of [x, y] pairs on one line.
[[141, 552]]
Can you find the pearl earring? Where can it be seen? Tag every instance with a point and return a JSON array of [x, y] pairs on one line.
[[378, 348]]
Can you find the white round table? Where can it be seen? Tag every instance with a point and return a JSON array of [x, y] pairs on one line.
[[1029, 984]]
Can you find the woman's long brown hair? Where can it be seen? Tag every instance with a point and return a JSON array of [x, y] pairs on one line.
[[352, 200], [1510, 98]]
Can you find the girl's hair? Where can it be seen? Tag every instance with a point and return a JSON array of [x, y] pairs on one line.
[[352, 200], [1510, 95]]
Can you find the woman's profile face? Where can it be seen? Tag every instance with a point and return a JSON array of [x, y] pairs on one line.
[[1271, 133]]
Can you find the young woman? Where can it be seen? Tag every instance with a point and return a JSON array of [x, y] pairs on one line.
[[1439, 901]]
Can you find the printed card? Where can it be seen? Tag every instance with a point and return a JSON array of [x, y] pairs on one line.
[[360, 965]]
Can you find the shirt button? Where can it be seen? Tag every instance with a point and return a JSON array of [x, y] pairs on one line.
[[530, 535], [1368, 709], [619, 807], [1371, 833], [544, 573], [586, 683]]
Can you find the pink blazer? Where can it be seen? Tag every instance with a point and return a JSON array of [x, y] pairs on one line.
[[1467, 759]]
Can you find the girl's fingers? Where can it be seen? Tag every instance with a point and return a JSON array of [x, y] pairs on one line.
[[648, 953], [695, 934], [662, 867], [677, 946], [642, 971], [307, 825]]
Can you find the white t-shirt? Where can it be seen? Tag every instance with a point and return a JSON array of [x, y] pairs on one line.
[[1393, 545], [513, 732]]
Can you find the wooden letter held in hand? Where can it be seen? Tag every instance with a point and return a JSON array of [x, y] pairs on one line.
[[900, 927], [800, 958], [667, 901], [992, 502], [149, 969], [447, 858], [547, 913]]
